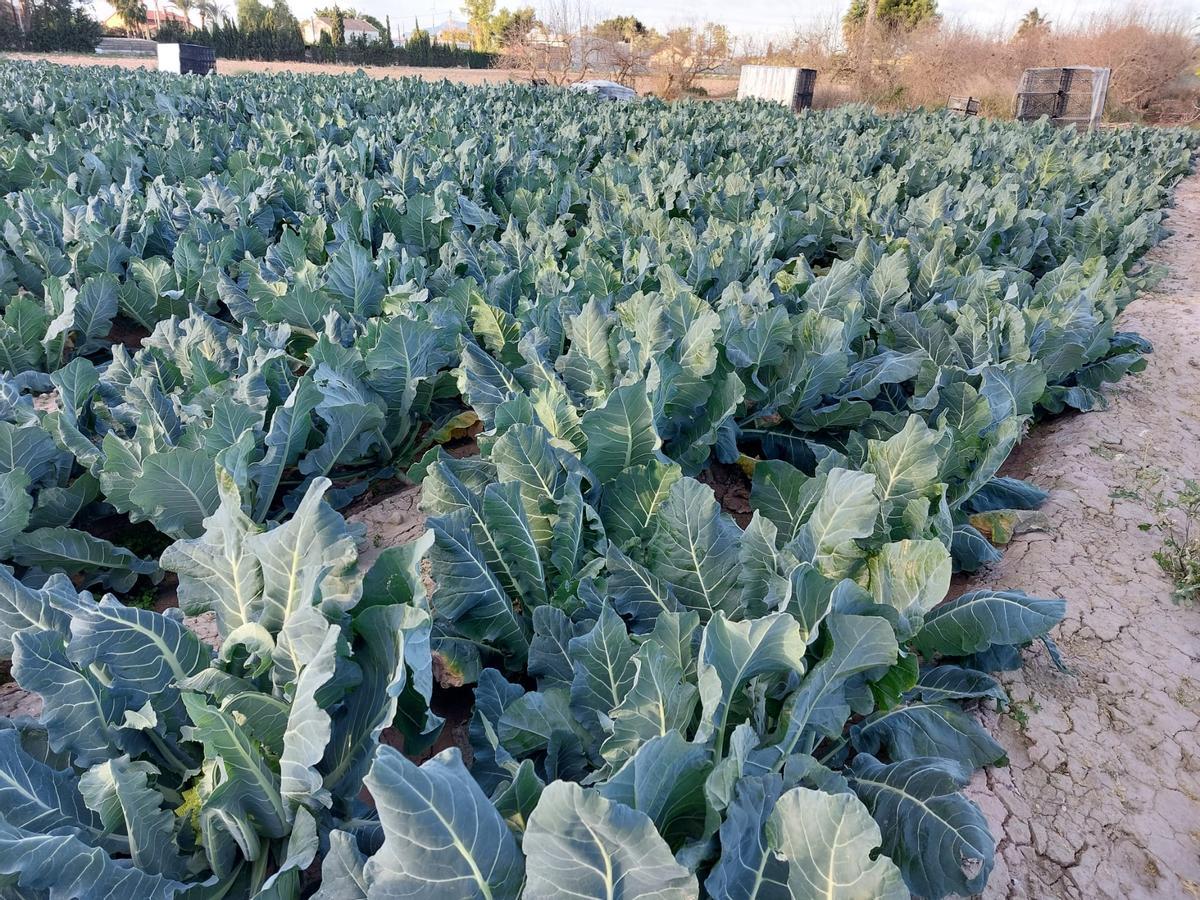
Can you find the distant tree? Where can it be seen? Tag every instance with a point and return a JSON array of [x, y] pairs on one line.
[[454, 37], [61, 25], [479, 23], [251, 14], [1033, 24], [621, 28], [893, 15], [185, 8], [418, 38], [132, 12], [387, 32], [686, 54], [559, 48], [213, 11], [629, 46], [280, 15], [339, 28], [509, 25]]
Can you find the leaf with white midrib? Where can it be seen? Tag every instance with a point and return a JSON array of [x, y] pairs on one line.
[[579, 844], [216, 570], [829, 840], [938, 838], [442, 836], [696, 549]]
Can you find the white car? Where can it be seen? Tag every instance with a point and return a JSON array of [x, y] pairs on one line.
[[609, 90]]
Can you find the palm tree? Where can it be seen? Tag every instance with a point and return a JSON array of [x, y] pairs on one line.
[[185, 8], [213, 8]]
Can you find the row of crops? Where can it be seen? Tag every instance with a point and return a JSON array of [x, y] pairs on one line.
[[233, 305]]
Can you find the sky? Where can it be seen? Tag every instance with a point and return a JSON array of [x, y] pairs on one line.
[[762, 18]]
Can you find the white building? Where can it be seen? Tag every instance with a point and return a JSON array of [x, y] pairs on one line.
[[314, 26]]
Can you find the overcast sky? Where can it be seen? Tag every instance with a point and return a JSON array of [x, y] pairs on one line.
[[761, 17]]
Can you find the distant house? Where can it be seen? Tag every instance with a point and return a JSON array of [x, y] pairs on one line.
[[154, 19], [314, 26]]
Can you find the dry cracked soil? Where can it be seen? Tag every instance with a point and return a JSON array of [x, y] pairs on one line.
[[1101, 798], [1102, 794]]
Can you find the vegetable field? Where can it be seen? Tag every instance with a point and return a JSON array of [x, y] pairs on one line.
[[235, 306]]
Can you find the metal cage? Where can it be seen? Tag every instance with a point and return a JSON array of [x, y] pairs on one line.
[[964, 106], [1070, 95], [186, 59]]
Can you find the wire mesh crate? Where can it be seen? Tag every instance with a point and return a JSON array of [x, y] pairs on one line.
[[964, 106], [788, 85], [1068, 95], [186, 59], [806, 84]]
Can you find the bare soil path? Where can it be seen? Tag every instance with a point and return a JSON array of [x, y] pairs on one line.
[[1102, 797]]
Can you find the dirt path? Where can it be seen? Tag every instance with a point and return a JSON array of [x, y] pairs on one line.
[[1102, 797]]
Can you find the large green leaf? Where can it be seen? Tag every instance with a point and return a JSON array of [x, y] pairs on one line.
[[659, 701], [749, 867], [603, 669], [979, 620], [77, 552], [846, 511], [468, 594], [342, 875], [389, 642], [23, 607], [631, 499], [912, 576], [937, 837], [665, 780], [249, 794], [144, 655], [928, 729], [733, 653], [695, 549], [818, 707], [441, 835], [307, 559], [177, 490], [80, 712], [829, 841], [16, 503], [120, 791], [216, 570], [308, 733], [38, 798], [65, 866], [620, 432], [580, 844], [285, 440]]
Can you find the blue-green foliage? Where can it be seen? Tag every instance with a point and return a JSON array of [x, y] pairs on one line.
[[319, 279]]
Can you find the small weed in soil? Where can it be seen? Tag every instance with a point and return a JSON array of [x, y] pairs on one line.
[[1020, 711], [1177, 519]]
